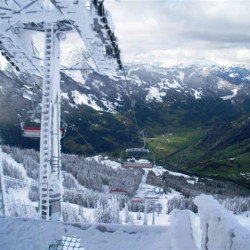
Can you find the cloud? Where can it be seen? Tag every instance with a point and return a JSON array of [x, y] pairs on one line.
[[196, 29]]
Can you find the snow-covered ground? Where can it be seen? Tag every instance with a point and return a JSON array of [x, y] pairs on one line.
[[244, 219], [27, 234], [36, 234], [163, 231]]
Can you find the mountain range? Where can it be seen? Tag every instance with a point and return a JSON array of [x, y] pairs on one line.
[[196, 117]]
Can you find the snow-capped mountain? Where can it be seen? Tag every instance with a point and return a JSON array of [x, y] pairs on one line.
[[201, 91], [184, 101], [169, 85], [151, 84]]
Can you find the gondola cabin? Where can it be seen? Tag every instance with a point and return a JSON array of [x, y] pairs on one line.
[[34, 132], [118, 191], [137, 158]]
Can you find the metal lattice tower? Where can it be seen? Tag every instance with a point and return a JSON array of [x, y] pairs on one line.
[[50, 127], [90, 20]]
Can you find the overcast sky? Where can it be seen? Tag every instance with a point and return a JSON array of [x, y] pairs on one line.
[[183, 31]]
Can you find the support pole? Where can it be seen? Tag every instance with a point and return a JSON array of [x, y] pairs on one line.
[[50, 179], [3, 203], [145, 217]]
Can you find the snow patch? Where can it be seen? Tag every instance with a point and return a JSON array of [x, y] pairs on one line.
[[155, 94], [181, 75], [247, 78], [3, 63], [106, 161], [84, 99], [191, 74], [233, 74], [178, 174], [197, 94], [172, 85], [65, 96], [27, 95], [110, 106], [228, 97], [223, 84]]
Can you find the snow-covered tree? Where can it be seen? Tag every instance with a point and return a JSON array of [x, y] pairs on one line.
[[181, 203], [108, 213], [138, 215], [33, 194], [113, 205], [102, 213], [237, 205], [71, 214], [19, 208], [126, 213]]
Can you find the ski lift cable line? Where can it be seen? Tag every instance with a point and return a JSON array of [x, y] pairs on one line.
[[142, 132], [92, 148], [161, 148], [73, 127], [34, 183], [132, 104], [136, 157]]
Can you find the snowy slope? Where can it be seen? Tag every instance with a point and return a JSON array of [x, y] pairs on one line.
[[180, 230], [17, 233], [93, 236]]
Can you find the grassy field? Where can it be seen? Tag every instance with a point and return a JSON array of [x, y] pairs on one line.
[[167, 145], [179, 149]]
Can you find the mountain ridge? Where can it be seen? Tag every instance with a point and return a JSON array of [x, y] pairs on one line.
[[108, 111]]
